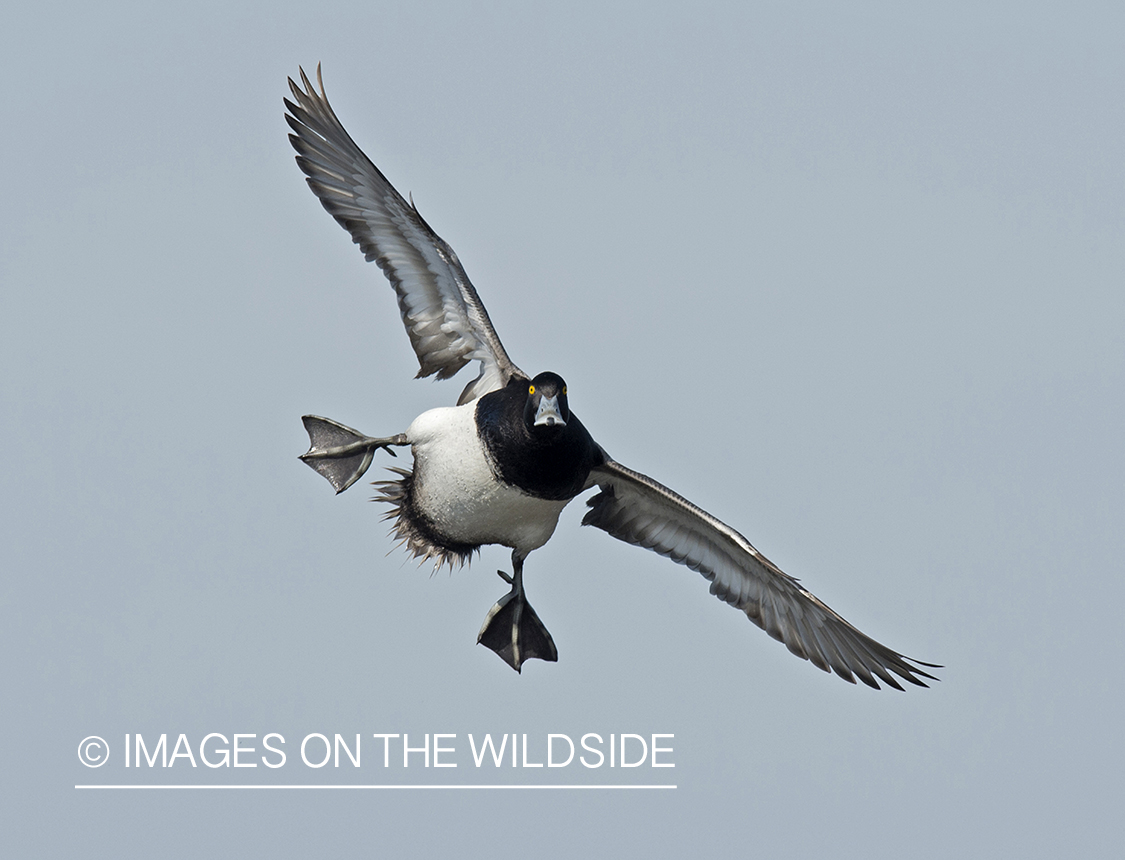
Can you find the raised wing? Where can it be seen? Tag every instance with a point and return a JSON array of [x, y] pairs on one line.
[[447, 324], [634, 508]]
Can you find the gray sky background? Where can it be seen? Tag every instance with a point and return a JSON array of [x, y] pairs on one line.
[[849, 276]]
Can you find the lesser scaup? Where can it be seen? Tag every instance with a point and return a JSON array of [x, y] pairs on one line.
[[500, 466]]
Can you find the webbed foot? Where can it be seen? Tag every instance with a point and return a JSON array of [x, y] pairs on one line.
[[340, 453], [514, 631]]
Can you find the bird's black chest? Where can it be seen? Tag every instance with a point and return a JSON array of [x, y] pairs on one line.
[[551, 463]]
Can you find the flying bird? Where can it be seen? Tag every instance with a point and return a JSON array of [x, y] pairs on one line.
[[499, 467]]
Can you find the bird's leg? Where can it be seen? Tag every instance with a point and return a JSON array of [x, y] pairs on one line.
[[340, 453], [512, 629]]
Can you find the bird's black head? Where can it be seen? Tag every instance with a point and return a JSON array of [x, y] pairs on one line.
[[546, 410]]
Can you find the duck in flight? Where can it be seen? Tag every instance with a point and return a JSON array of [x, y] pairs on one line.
[[499, 467]]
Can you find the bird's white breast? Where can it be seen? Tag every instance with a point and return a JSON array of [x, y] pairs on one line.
[[456, 489]]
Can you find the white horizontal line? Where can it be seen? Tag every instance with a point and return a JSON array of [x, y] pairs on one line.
[[393, 787]]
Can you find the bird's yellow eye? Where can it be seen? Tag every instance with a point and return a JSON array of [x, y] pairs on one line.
[[564, 389], [531, 389]]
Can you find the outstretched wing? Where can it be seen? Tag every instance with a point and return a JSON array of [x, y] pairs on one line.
[[634, 508], [447, 324]]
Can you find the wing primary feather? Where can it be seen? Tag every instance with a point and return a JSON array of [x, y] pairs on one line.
[[636, 509], [430, 283]]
